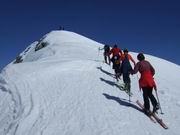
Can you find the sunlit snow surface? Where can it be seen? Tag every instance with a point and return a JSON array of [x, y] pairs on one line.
[[66, 89]]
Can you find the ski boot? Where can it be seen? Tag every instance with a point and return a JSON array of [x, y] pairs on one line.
[[156, 108], [147, 112]]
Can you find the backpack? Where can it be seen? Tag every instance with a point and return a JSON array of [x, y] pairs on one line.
[[116, 59], [126, 66], [106, 48]]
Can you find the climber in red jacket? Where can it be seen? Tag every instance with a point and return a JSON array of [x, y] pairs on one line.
[[146, 82], [115, 51], [116, 55]]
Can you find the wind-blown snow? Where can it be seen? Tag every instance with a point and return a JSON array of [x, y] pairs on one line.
[[66, 89]]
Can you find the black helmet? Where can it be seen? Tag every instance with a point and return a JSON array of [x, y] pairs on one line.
[[125, 50], [115, 46], [140, 57]]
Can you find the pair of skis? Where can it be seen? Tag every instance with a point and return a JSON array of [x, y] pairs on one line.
[[153, 117]]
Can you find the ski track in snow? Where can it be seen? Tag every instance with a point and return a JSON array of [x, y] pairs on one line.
[[73, 94]]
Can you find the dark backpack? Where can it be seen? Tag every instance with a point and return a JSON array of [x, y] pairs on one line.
[[106, 48], [126, 66]]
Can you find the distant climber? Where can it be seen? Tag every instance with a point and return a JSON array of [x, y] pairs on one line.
[[106, 49], [146, 82], [106, 54], [61, 28]]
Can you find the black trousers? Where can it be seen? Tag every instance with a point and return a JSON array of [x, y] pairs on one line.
[[147, 94], [126, 78], [106, 55]]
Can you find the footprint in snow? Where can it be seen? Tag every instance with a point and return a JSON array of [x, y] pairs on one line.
[[178, 103], [148, 133], [161, 92], [14, 111], [14, 117]]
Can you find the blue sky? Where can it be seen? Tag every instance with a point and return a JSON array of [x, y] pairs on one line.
[[149, 26]]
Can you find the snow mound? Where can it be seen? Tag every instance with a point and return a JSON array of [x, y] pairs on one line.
[[62, 87], [52, 44]]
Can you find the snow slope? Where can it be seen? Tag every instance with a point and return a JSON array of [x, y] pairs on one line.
[[66, 89]]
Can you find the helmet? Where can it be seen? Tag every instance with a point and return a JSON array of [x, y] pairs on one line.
[[115, 46], [125, 50], [140, 57]]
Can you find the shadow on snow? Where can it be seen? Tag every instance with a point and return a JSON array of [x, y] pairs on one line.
[[122, 102], [109, 82], [106, 72]]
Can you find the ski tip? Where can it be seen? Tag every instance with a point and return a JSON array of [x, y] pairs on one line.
[[166, 128]]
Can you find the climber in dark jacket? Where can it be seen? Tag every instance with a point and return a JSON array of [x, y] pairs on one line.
[[126, 68]]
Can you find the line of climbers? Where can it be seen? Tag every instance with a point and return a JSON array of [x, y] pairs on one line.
[[122, 66]]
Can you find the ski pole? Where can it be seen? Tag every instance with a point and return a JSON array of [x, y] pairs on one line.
[[138, 80], [129, 96], [98, 51], [129, 88], [158, 102], [137, 76]]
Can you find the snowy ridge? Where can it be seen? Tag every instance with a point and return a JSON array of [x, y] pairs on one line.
[[66, 89]]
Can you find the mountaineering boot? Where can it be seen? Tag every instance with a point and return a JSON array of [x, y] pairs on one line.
[[118, 76], [156, 108], [127, 87], [147, 112]]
